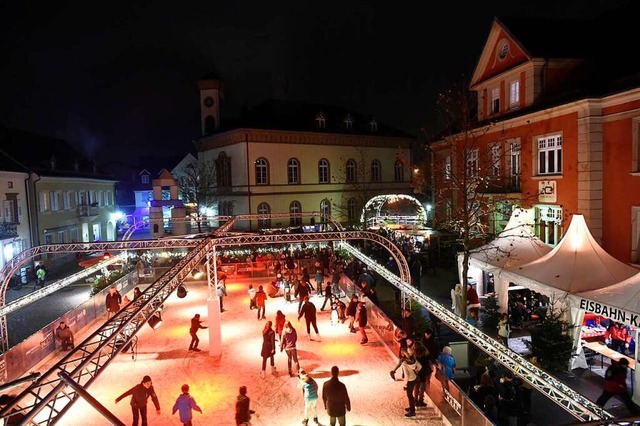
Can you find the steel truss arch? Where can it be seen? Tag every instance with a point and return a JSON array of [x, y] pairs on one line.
[[45, 401], [567, 398]]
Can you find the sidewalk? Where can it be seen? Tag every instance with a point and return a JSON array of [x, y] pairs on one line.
[[214, 382]]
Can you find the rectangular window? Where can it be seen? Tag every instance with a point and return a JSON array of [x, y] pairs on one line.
[[495, 101], [43, 198], [514, 165], [67, 200], [144, 178], [107, 198], [73, 235], [550, 155], [548, 223], [514, 94], [55, 201], [19, 211], [8, 211], [472, 163], [447, 167], [60, 239]]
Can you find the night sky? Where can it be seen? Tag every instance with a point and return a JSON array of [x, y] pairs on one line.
[[121, 81]]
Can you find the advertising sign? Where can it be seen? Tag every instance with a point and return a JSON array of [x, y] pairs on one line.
[[547, 191]]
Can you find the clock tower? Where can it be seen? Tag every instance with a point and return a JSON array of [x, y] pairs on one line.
[[211, 93]]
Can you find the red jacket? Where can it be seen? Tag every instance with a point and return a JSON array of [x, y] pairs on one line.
[[261, 297], [618, 333], [615, 379]]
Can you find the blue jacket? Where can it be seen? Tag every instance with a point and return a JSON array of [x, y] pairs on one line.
[[185, 403]]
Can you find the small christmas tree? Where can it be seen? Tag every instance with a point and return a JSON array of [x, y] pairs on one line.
[[490, 313], [551, 341]]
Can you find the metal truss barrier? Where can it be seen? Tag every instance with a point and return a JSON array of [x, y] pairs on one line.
[[49, 398], [53, 287], [45, 401], [141, 224], [574, 403], [12, 266]]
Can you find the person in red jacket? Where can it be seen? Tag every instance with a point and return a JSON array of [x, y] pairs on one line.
[[615, 383], [473, 301], [619, 336], [261, 298]]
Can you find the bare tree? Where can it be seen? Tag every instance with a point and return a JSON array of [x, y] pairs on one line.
[[197, 185], [474, 176]]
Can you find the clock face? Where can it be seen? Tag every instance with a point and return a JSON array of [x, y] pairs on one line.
[[208, 101]]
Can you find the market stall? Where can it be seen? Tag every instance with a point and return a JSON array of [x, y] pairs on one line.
[[514, 246]]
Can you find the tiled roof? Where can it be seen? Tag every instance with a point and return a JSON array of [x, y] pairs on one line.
[[276, 114], [22, 150]]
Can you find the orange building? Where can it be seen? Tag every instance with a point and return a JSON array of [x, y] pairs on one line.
[[558, 127]]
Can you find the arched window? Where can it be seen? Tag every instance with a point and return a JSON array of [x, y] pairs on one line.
[[293, 172], [348, 122], [223, 170], [295, 209], [352, 207], [373, 125], [325, 209], [262, 172], [376, 171], [323, 171], [321, 121], [225, 208], [264, 208], [209, 124], [398, 171], [351, 170]]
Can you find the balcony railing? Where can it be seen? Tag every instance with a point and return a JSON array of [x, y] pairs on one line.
[[8, 230], [501, 185], [88, 210]]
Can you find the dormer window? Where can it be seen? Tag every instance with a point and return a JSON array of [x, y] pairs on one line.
[[514, 94], [348, 122], [495, 101], [373, 125], [53, 162], [144, 178], [321, 121]]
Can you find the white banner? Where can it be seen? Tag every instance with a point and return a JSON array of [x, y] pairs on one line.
[[616, 314]]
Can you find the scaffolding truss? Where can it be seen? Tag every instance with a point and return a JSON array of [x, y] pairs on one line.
[[567, 398]]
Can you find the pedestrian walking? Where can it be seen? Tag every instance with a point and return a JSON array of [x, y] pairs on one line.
[[185, 404], [336, 398], [41, 273], [310, 393], [424, 375], [410, 369], [361, 318], [280, 319], [64, 335], [504, 329], [261, 298], [268, 348], [221, 288], [243, 408], [196, 324], [288, 343], [252, 297], [113, 300], [309, 312], [351, 312], [140, 393], [446, 366], [615, 384]]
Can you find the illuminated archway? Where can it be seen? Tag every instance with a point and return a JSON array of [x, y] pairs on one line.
[[378, 201]]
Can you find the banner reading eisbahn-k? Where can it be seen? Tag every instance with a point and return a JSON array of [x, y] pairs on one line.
[[616, 314]]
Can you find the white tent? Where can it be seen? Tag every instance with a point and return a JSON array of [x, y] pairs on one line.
[[514, 246], [620, 302], [576, 265]]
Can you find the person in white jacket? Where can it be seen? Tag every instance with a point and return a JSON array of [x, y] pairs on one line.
[[410, 368]]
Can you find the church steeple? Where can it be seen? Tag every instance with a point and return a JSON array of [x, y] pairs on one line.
[[211, 93]]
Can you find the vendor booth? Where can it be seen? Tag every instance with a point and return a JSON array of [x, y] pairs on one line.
[[576, 265], [514, 246]]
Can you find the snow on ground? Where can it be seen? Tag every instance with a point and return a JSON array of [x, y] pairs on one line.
[[214, 381]]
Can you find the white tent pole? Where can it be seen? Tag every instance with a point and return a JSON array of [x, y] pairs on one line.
[[577, 318], [502, 292]]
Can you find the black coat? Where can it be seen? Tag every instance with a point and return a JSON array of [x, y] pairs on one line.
[[139, 395], [335, 397], [309, 310], [268, 343]]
